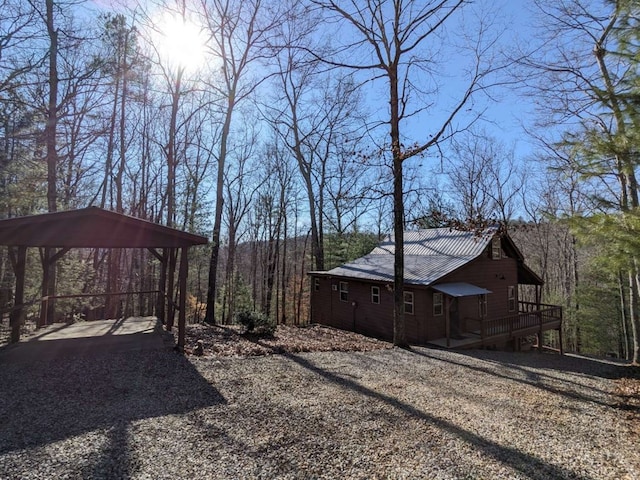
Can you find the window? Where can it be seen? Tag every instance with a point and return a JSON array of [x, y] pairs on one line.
[[512, 298], [408, 303], [496, 249], [438, 304], [375, 295], [344, 291], [482, 305], [316, 284]]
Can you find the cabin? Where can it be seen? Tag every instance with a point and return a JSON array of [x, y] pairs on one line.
[[463, 289]]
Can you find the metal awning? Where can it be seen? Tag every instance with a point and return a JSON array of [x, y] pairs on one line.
[[460, 289]]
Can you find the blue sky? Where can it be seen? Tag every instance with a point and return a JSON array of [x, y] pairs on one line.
[[506, 108]]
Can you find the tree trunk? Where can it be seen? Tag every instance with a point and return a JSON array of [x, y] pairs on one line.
[[283, 277], [633, 316], [217, 222], [623, 318], [122, 67], [399, 336], [229, 306], [52, 111], [52, 153]]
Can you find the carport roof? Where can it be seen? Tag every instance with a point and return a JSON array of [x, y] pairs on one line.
[[92, 227]]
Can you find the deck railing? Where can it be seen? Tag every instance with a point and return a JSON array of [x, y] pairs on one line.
[[531, 318]]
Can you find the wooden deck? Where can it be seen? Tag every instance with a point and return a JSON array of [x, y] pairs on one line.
[[532, 320]]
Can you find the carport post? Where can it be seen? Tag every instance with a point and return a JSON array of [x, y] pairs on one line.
[[16, 313], [182, 299], [172, 255]]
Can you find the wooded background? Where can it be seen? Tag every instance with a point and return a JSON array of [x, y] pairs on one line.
[[281, 130]]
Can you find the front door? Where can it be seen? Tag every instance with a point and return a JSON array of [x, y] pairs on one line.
[[454, 316]]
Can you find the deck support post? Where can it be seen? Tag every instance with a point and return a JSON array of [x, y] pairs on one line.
[[539, 331], [560, 341]]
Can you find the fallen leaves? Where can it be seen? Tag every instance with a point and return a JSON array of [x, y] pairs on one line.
[[628, 391], [231, 341]]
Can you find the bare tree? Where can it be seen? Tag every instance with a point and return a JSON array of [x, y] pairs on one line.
[[484, 178], [241, 187], [586, 74], [316, 114], [396, 41], [239, 36]]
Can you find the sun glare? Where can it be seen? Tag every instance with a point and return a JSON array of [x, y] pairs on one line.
[[180, 42]]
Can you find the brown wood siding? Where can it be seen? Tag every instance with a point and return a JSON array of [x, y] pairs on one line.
[[321, 302], [494, 275], [357, 314], [416, 323], [434, 326], [365, 317], [376, 320]]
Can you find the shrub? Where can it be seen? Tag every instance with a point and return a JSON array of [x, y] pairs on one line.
[[255, 322]]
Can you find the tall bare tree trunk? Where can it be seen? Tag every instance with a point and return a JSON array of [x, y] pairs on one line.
[[623, 318], [52, 154], [52, 111], [283, 276], [633, 316], [399, 335], [217, 221]]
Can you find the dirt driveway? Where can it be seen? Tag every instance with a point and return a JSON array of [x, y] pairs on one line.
[[379, 414]]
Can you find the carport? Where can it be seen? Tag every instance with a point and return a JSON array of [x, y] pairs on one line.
[[94, 227]]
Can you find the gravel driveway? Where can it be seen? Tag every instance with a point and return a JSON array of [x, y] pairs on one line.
[[380, 414]]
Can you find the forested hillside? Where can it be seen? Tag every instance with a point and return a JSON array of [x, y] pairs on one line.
[[293, 134]]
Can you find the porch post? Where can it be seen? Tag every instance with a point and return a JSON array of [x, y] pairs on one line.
[[17, 311], [159, 307], [182, 296], [162, 287], [447, 317], [44, 305]]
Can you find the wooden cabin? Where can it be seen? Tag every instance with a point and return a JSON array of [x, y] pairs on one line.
[[463, 289]]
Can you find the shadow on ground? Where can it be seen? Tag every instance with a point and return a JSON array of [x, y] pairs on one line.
[[45, 400], [524, 463]]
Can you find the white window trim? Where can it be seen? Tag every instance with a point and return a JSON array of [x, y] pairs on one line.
[[405, 303], [316, 284], [440, 304], [496, 248], [344, 288], [511, 298], [375, 297], [482, 305]]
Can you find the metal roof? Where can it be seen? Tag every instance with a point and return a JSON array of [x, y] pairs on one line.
[[440, 241], [92, 227], [429, 255], [418, 270], [460, 289]]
